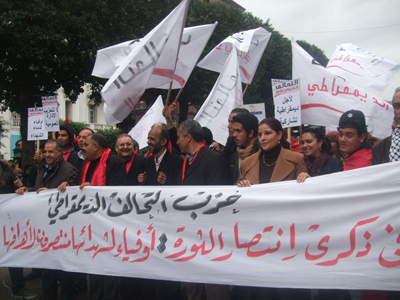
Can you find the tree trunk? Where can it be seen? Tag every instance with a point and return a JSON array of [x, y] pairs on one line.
[[183, 109], [26, 100]]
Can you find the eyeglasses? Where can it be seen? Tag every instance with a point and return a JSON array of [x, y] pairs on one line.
[[396, 105]]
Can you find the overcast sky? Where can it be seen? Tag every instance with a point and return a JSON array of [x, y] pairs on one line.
[[314, 21]]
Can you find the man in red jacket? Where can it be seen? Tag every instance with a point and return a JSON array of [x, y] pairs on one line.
[[352, 140]]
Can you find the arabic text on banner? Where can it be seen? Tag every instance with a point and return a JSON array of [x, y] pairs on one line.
[[325, 97], [334, 231]]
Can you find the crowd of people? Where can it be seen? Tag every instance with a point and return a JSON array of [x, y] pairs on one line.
[[255, 153]]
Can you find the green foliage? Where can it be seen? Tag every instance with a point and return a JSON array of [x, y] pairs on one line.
[[77, 126], [315, 52], [111, 136]]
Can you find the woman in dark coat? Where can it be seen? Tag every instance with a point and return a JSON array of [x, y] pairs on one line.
[[316, 151]]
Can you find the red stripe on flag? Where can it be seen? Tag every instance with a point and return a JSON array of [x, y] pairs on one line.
[[169, 74]]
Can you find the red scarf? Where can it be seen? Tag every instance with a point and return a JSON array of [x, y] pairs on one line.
[[129, 163], [185, 162], [99, 173]]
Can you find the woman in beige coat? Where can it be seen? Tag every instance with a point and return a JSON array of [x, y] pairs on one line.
[[275, 161], [272, 163]]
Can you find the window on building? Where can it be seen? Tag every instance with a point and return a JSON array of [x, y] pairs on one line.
[[92, 114]]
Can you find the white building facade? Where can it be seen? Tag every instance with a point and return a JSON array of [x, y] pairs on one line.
[[83, 110]]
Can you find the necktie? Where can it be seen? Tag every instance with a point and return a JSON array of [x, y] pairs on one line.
[[394, 153]]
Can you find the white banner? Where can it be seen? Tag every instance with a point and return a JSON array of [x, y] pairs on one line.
[[334, 231], [225, 96], [152, 116], [250, 47], [325, 97], [50, 110], [158, 49], [194, 39], [36, 124], [287, 101], [361, 67]]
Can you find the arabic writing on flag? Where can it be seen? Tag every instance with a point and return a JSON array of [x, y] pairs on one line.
[[158, 49], [325, 97], [250, 47], [363, 68], [225, 96]]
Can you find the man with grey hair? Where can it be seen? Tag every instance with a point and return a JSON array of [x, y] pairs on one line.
[[134, 163], [162, 167], [201, 166], [388, 149]]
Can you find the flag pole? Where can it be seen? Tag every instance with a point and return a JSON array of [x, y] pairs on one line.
[[289, 135], [169, 93], [37, 145], [177, 96], [245, 89]]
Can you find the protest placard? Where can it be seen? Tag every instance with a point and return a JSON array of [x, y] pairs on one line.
[[287, 102], [36, 124], [50, 110]]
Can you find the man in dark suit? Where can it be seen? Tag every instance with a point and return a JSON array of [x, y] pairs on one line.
[[201, 167], [99, 162], [134, 163], [163, 167], [381, 151]]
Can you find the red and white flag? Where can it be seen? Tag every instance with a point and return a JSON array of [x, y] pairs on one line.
[[194, 39], [361, 67], [250, 47], [325, 97], [158, 49], [225, 96]]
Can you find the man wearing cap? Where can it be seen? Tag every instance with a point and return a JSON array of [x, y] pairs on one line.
[[388, 149], [352, 140]]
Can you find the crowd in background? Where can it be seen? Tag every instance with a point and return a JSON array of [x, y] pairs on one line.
[[186, 154]]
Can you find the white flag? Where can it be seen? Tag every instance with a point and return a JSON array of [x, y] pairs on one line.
[[158, 49], [250, 45], [142, 128], [325, 97], [225, 96], [363, 68], [194, 39], [110, 120]]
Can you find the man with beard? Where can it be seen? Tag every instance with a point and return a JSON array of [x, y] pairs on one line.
[[134, 163], [162, 167], [245, 130]]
